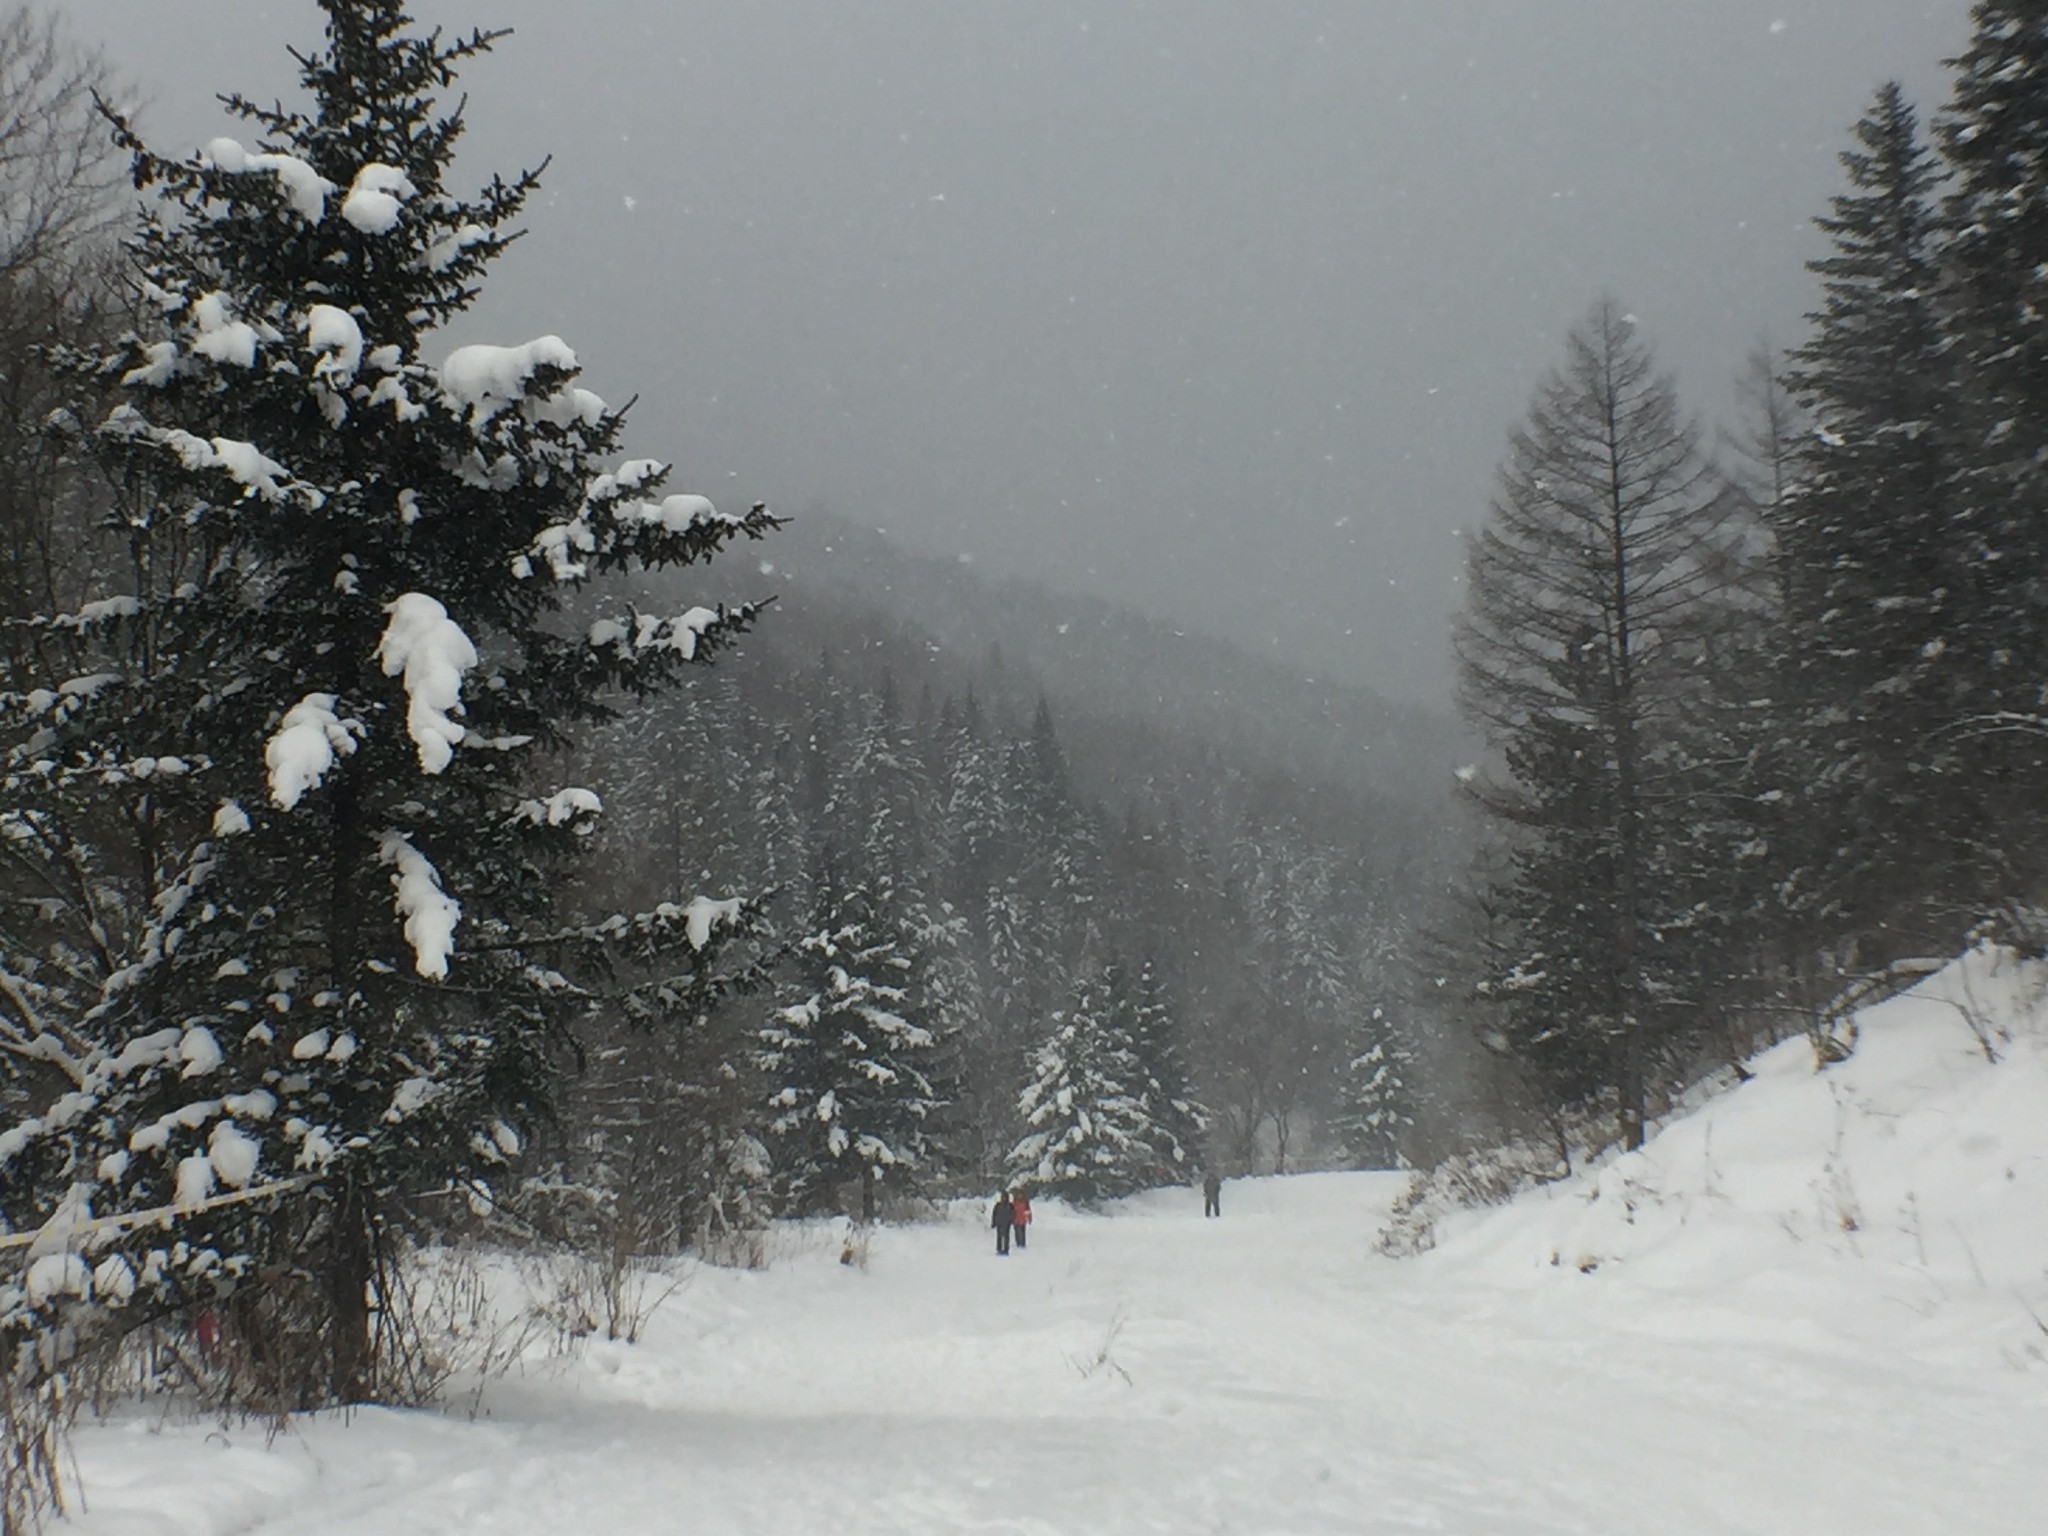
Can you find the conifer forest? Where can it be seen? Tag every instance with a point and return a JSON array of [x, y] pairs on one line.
[[431, 814]]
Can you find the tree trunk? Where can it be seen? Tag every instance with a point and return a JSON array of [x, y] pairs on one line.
[[347, 1283]]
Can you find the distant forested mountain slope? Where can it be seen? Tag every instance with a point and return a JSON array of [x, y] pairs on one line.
[[1111, 666], [1064, 807]]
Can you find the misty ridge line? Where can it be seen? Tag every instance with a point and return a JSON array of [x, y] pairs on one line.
[[1219, 310]]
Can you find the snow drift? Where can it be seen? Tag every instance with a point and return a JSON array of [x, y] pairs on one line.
[[1807, 1305], [1898, 1196]]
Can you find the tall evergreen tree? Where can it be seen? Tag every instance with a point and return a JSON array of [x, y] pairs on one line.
[[1879, 578], [1994, 136], [304, 960], [1178, 1122], [845, 1066], [1592, 590]]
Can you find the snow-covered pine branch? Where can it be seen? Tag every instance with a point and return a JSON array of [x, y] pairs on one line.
[[295, 918]]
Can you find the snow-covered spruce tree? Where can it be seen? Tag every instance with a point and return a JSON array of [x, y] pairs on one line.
[[1176, 1122], [295, 955], [1882, 812], [1994, 136], [846, 1068], [1088, 1135], [967, 986], [1378, 1105]]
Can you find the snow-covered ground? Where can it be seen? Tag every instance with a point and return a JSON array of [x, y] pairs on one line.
[[1808, 1307]]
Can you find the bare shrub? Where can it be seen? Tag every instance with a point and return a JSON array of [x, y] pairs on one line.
[[1832, 1030], [35, 1422], [1104, 1362], [1490, 1175], [612, 1268]]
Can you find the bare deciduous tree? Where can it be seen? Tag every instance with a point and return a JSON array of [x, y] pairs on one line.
[[59, 175]]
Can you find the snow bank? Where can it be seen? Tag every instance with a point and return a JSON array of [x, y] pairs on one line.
[[1806, 1311], [1905, 1189]]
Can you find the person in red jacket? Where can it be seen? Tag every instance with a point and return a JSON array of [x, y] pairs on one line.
[[1020, 1215]]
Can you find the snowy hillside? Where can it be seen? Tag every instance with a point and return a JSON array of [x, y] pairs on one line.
[[1809, 1306], [1899, 1198]]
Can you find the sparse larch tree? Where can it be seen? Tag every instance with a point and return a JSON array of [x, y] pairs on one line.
[[1594, 589]]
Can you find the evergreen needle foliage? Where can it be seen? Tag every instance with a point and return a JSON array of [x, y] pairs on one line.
[[279, 848]]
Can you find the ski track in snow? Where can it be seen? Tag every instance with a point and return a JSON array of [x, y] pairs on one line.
[[1272, 1374]]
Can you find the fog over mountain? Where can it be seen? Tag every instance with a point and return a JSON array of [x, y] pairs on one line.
[[1220, 309]]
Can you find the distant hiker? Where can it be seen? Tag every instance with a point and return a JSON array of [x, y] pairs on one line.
[[1020, 1214], [1003, 1219], [1212, 1194]]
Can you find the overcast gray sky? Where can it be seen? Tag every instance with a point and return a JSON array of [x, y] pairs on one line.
[[1221, 306]]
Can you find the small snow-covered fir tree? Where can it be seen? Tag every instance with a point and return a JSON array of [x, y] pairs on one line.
[[1378, 1101], [848, 1070], [1089, 1136], [1177, 1123], [297, 956]]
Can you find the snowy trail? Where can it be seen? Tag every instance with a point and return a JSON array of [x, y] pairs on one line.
[[1270, 1374]]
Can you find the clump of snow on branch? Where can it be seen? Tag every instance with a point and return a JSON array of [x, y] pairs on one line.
[[674, 514], [334, 333], [433, 653], [559, 809], [651, 632], [305, 189], [298, 756], [484, 380], [705, 913], [159, 367], [233, 1155], [446, 251], [100, 610], [224, 340], [244, 462], [410, 1097], [375, 197], [200, 1052], [610, 495], [430, 913], [194, 1183], [57, 1274]]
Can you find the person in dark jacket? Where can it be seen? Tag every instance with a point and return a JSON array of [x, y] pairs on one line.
[[1212, 1194], [1020, 1214], [1003, 1219]]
